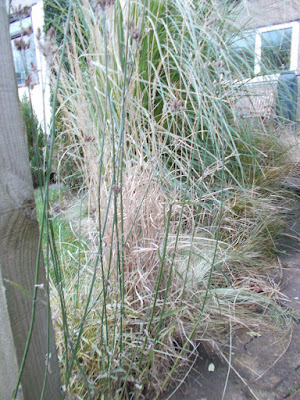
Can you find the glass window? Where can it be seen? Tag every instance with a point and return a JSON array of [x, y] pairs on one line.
[[24, 56], [16, 27], [243, 54], [276, 50], [266, 51]]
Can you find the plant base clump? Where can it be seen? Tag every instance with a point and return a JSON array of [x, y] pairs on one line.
[[183, 204]]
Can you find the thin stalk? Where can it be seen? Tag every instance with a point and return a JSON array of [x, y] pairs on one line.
[[158, 281], [39, 251], [209, 279]]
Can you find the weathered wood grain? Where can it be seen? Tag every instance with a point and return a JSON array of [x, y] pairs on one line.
[[19, 235]]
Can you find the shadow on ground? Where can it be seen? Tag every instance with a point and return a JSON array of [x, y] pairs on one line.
[[265, 367]]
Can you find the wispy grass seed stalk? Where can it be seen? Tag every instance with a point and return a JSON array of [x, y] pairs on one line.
[[181, 213]]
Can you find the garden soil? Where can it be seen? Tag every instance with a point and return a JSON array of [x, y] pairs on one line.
[[263, 367]]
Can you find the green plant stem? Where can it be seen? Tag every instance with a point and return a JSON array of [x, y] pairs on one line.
[[39, 251]]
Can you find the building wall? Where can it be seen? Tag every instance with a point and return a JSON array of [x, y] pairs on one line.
[[40, 94], [22, 3], [261, 13], [258, 13]]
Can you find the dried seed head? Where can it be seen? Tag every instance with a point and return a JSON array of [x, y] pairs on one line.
[[130, 25], [48, 48], [21, 44], [175, 105], [51, 33], [135, 34], [106, 3], [28, 82], [33, 67], [116, 189], [133, 31], [21, 12], [176, 142], [99, 6], [219, 63], [88, 138], [210, 22], [39, 34], [26, 31]]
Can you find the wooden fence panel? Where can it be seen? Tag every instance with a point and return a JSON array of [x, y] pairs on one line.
[[19, 235]]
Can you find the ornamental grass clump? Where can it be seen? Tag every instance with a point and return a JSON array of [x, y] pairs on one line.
[[182, 197]]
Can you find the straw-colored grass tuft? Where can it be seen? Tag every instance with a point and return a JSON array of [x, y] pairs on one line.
[[183, 202]]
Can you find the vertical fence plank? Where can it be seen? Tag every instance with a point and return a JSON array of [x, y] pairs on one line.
[[19, 235]]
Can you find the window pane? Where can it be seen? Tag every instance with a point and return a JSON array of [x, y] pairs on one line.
[[15, 27], [19, 60], [276, 50], [243, 55], [19, 65]]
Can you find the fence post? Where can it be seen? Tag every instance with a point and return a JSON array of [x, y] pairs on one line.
[[19, 236]]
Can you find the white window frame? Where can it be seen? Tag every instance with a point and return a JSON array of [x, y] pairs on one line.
[[258, 44], [258, 77]]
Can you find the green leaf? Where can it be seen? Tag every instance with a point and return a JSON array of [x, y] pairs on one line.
[[16, 285], [169, 313]]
